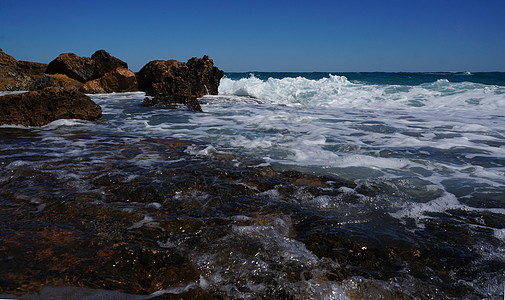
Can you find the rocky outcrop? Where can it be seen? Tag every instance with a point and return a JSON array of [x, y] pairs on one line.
[[56, 80], [204, 76], [39, 108], [117, 80], [18, 75], [172, 82], [84, 68]]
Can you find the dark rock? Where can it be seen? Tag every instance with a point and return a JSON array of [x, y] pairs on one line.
[[18, 75], [117, 81], [205, 76], [72, 65], [42, 107], [104, 63], [173, 82], [56, 80], [84, 68]]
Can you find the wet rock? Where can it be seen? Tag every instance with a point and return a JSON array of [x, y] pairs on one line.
[[205, 76], [56, 80], [18, 75], [116, 81], [39, 108], [84, 68], [172, 82]]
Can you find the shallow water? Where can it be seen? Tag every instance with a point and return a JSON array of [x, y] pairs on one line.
[[307, 186]]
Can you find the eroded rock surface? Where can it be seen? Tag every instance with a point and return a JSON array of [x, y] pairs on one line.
[[172, 82], [18, 75], [39, 108]]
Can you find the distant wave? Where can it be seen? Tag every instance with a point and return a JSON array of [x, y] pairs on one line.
[[338, 91]]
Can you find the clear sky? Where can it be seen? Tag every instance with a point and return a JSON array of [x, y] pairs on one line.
[[316, 35]]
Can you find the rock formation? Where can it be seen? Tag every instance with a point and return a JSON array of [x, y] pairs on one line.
[[172, 82], [84, 68], [39, 108], [18, 75], [119, 79], [100, 73]]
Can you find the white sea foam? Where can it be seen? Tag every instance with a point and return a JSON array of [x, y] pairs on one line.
[[147, 221], [337, 91]]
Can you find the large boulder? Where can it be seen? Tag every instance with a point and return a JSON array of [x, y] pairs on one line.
[[172, 82], [18, 75], [39, 108], [118, 80], [84, 68]]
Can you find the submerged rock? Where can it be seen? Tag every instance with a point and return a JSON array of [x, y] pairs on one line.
[[172, 82], [39, 108], [18, 75]]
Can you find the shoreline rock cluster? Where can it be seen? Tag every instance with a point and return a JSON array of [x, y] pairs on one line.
[[168, 83]]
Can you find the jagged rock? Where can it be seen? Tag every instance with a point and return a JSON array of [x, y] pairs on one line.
[[39, 108], [18, 75], [56, 80], [205, 76], [119, 80], [84, 68], [172, 82]]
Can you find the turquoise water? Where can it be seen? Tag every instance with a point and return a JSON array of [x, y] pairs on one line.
[[400, 78]]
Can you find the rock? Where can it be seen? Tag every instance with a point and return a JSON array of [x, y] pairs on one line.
[[34, 69], [84, 68], [104, 63], [206, 77], [116, 81], [71, 65], [56, 80], [39, 108], [100, 73], [172, 82], [18, 75]]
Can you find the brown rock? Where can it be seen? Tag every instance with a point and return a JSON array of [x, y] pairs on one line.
[[18, 75], [104, 62], [173, 82], [117, 81], [42, 107], [84, 68], [56, 80], [72, 65], [205, 76], [32, 68]]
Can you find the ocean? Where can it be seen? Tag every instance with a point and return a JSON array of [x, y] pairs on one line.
[[287, 186]]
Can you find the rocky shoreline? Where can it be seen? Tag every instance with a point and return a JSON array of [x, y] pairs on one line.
[[168, 83]]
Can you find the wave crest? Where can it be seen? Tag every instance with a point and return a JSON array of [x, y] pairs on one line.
[[338, 91], [298, 90]]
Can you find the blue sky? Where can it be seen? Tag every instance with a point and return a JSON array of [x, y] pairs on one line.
[[317, 35]]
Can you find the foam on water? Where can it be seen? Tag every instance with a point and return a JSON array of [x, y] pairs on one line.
[[338, 91]]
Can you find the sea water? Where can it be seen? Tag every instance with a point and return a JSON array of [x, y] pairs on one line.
[[423, 153]]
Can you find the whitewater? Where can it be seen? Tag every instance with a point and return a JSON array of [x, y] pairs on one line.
[[412, 204]]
